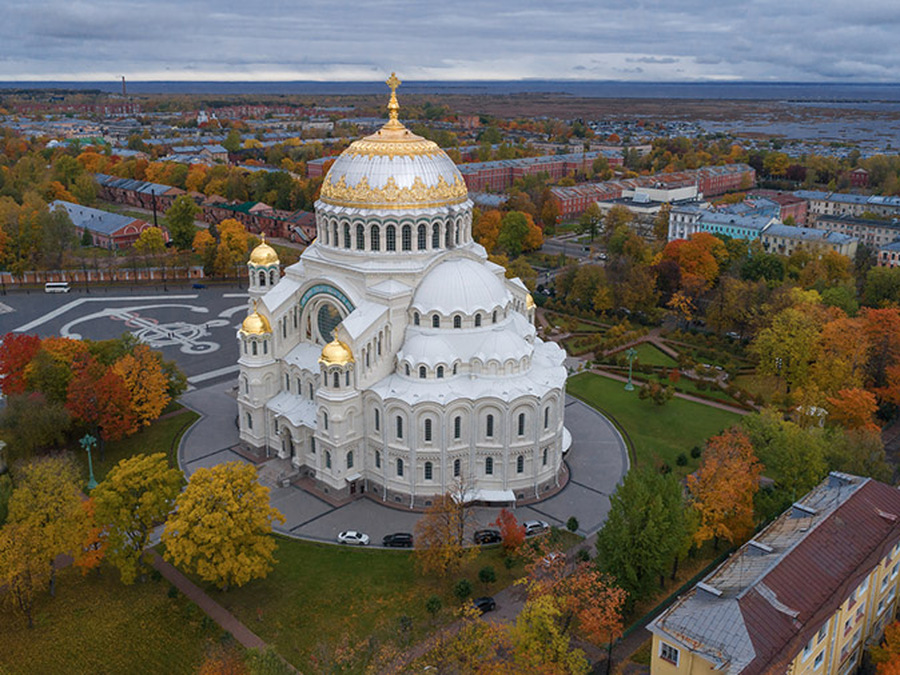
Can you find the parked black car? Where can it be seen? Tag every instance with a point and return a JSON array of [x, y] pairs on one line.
[[398, 539], [485, 604], [487, 536]]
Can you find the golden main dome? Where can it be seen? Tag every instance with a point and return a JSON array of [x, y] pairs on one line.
[[394, 169], [264, 254], [255, 323], [336, 353]]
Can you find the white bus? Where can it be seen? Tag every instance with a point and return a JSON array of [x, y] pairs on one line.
[[56, 287]]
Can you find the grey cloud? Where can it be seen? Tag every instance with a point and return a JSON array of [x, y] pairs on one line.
[[652, 59]]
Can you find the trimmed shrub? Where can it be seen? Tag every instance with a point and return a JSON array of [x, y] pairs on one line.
[[572, 524], [486, 575], [462, 589]]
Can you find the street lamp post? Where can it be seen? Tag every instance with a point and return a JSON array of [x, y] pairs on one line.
[[631, 355], [87, 442]]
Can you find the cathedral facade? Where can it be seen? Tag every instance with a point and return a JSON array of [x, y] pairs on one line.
[[394, 359]]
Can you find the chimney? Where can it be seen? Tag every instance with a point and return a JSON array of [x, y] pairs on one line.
[[123, 87]]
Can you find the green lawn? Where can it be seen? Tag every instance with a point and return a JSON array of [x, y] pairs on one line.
[[97, 625], [319, 594], [649, 355], [161, 436], [659, 433]]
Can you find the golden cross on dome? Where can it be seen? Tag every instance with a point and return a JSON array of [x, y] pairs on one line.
[[393, 107]]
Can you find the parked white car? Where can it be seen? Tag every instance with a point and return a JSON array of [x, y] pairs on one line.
[[353, 537], [535, 527]]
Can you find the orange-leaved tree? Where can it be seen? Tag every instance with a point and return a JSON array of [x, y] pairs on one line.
[[512, 532], [143, 376], [594, 603], [853, 409], [887, 655], [722, 489], [16, 351]]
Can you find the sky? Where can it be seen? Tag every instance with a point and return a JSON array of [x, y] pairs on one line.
[[328, 40]]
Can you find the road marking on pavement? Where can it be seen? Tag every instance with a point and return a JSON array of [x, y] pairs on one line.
[[5, 309], [49, 316], [235, 295], [212, 374]]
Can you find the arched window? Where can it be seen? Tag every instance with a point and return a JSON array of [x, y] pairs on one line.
[[422, 372], [249, 421], [457, 321], [367, 357], [454, 369], [546, 451], [448, 237], [376, 238], [547, 417], [325, 420], [311, 395], [478, 321], [350, 460], [390, 238], [489, 427], [377, 459], [494, 317], [457, 466], [360, 237], [334, 235], [287, 383], [428, 430], [337, 380], [457, 427], [299, 387], [347, 379], [422, 237], [399, 467], [327, 459], [436, 236], [521, 429], [435, 321], [520, 464], [312, 444], [406, 369], [262, 278], [416, 318], [253, 348], [407, 238], [377, 419], [440, 372], [346, 235], [245, 386], [399, 427], [429, 471], [265, 346], [489, 466]]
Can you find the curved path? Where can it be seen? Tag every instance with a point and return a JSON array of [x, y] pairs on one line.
[[597, 460]]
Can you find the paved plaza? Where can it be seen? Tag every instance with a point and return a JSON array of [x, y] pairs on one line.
[[197, 328], [597, 461]]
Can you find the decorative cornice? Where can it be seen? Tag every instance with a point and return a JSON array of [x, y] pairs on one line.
[[393, 196]]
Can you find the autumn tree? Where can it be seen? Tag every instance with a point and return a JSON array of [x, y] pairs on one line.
[[644, 531], [142, 374], [440, 535], [150, 242], [98, 397], [23, 568], [589, 221], [853, 409], [135, 496], [511, 532], [886, 655], [595, 605], [788, 347], [232, 248], [16, 351], [222, 524], [860, 452], [722, 489], [47, 499], [477, 647], [486, 229], [661, 223], [180, 218], [539, 643], [616, 218], [700, 256]]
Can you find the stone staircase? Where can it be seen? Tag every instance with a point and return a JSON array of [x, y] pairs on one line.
[[277, 472]]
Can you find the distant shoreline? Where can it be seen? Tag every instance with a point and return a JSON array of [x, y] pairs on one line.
[[748, 91]]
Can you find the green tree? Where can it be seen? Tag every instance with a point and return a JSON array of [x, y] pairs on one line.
[[135, 496], [644, 531], [792, 455], [180, 217], [788, 347], [513, 230], [232, 142], [882, 286], [589, 221], [222, 525], [29, 423]]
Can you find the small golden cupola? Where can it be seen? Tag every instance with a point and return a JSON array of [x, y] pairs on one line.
[[336, 353], [264, 254], [255, 323]]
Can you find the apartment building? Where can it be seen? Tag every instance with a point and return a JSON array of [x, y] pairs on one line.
[[785, 239], [802, 597], [844, 204], [871, 232]]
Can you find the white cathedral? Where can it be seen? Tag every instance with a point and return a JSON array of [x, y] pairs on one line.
[[393, 358]]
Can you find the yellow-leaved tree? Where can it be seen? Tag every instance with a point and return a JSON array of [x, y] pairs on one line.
[[135, 495], [142, 373], [222, 525], [23, 567]]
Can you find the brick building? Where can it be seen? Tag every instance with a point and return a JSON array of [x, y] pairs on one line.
[[108, 230]]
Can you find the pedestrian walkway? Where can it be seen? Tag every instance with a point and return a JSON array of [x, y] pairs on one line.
[[213, 609]]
